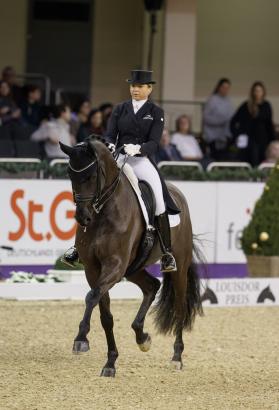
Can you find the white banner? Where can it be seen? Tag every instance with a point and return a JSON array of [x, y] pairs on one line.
[[215, 292], [240, 292], [37, 218]]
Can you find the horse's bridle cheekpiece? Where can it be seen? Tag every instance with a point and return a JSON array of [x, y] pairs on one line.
[[82, 174]]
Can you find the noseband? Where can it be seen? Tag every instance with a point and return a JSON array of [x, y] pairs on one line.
[[101, 197]]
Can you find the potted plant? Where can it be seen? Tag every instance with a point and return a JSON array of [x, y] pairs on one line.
[[260, 240], [66, 273]]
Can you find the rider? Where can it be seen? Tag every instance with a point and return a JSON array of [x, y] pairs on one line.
[[137, 124]]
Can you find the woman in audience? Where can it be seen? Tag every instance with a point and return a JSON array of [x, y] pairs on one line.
[[252, 126], [217, 114], [167, 151], [31, 105], [9, 112], [106, 110], [272, 152], [80, 116], [92, 126], [186, 143]]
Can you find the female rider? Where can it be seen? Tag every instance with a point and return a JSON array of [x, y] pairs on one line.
[[137, 125]]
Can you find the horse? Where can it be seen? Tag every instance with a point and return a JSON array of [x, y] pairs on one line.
[[110, 227]]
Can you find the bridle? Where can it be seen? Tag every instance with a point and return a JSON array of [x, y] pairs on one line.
[[100, 198]]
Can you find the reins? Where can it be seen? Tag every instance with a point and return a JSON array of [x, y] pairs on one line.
[[101, 198]]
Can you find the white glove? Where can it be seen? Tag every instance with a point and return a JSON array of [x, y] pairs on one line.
[[111, 147], [132, 149]]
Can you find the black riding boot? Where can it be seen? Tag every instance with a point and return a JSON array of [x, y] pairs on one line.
[[168, 263], [70, 257]]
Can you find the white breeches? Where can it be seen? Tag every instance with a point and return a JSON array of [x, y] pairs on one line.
[[145, 171]]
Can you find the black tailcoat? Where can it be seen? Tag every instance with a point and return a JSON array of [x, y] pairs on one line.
[[144, 128]]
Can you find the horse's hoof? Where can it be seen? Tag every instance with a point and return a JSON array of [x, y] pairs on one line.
[[80, 346], [145, 346], [176, 365], [108, 372]]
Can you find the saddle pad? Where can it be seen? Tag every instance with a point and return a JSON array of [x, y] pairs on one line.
[[174, 220]]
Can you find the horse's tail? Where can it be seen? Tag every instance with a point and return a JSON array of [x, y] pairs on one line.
[[170, 312]]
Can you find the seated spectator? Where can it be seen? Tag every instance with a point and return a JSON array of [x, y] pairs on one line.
[[30, 106], [252, 126], [51, 132], [272, 152], [9, 75], [93, 125], [106, 110], [80, 116], [167, 151], [217, 113], [186, 144], [9, 111]]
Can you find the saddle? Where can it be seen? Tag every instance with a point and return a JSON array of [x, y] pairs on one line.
[[149, 236]]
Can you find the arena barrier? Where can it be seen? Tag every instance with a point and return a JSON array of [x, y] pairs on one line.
[[37, 220], [215, 292]]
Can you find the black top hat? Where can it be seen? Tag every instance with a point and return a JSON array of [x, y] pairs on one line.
[[141, 77]]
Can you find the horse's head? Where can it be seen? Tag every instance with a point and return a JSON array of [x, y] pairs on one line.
[[88, 172]]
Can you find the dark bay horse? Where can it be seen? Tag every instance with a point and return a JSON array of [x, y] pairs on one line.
[[110, 229]]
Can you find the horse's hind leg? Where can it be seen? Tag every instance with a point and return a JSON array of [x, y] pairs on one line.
[[149, 286], [107, 323], [176, 360]]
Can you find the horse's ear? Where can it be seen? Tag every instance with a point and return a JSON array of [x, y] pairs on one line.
[[66, 149]]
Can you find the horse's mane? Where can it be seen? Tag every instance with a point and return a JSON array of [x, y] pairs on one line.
[[96, 137]]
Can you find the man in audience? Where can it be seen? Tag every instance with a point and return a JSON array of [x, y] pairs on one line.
[[54, 131], [167, 151]]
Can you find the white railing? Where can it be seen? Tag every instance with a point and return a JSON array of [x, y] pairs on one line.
[[189, 164], [238, 165], [266, 165], [40, 173]]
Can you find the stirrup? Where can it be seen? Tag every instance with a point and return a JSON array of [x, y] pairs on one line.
[[168, 263]]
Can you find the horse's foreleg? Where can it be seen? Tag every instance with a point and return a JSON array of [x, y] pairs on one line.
[[107, 323], [81, 343], [149, 286]]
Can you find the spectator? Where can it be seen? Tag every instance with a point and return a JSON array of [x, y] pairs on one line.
[[30, 106], [272, 152], [51, 132], [106, 110], [217, 114], [9, 75], [167, 151], [80, 116], [252, 126], [186, 143], [9, 112], [93, 125]]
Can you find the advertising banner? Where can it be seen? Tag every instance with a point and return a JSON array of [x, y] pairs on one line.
[[36, 219], [234, 206]]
